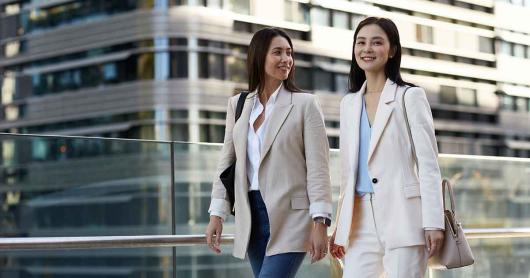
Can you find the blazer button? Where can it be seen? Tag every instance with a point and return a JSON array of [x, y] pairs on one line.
[[374, 180]]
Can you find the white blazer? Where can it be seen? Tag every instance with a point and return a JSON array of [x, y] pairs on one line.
[[412, 200]]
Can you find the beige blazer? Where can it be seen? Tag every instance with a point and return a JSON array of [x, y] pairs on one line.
[[412, 201], [293, 173]]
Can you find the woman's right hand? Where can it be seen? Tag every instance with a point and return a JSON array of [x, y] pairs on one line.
[[213, 233], [336, 251]]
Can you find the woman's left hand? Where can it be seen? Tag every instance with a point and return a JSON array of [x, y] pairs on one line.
[[434, 241], [319, 242]]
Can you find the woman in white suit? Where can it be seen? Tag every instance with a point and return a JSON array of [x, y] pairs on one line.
[[390, 213], [282, 184]]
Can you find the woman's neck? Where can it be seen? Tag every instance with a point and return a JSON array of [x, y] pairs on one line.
[[269, 88], [375, 82]]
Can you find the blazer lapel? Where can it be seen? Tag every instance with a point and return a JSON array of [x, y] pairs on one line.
[[384, 110], [349, 151], [282, 108]]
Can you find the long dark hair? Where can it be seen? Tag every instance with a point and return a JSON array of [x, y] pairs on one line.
[[257, 52], [357, 75]]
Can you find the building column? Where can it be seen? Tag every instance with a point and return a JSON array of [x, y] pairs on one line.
[[193, 74]]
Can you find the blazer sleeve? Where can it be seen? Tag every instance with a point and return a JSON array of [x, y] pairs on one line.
[[220, 204], [422, 130], [317, 159], [343, 155]]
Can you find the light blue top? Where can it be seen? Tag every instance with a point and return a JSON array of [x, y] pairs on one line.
[[364, 182]]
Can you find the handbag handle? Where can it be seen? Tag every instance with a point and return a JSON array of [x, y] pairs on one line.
[[240, 104], [408, 129], [447, 184]]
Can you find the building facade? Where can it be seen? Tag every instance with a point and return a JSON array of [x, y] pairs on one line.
[[163, 69]]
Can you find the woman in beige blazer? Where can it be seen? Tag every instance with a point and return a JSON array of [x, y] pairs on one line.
[[390, 216], [282, 184]]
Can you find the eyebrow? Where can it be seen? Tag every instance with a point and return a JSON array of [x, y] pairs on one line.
[[373, 38], [280, 48]]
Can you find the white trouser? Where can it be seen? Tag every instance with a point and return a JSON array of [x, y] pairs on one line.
[[367, 257]]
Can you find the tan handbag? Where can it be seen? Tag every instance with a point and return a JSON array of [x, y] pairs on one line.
[[455, 251]]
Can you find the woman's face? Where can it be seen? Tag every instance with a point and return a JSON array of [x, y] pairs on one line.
[[279, 61], [372, 48]]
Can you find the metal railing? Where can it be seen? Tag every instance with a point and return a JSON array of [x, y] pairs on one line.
[[98, 242]]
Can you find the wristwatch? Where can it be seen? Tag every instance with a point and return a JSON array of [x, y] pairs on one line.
[[324, 220]]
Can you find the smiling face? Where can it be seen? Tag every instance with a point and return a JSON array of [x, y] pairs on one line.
[[279, 60], [372, 48]]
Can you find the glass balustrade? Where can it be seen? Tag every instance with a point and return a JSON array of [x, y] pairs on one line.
[[72, 186]]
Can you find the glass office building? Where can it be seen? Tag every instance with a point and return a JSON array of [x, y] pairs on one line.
[[164, 69]]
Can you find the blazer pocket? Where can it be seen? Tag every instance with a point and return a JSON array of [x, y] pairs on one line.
[[412, 190], [299, 203]]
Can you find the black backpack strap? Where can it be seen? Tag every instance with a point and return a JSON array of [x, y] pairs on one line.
[[240, 104]]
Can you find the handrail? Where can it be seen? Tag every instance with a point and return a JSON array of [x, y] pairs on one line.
[[497, 233], [92, 242], [481, 157]]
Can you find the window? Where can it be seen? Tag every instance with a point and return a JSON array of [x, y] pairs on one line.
[[239, 6], [323, 80], [72, 12], [212, 133], [11, 49], [321, 16], [10, 9], [444, 57], [341, 83], [178, 114], [135, 67], [211, 65], [13, 112], [521, 104], [177, 2], [213, 3], [236, 69], [8, 89], [205, 114], [448, 95], [296, 12], [304, 78], [110, 73], [424, 33], [355, 20], [178, 64], [488, 99], [508, 102], [519, 50], [179, 132], [506, 48], [467, 96], [145, 66], [485, 45], [340, 20], [333, 142]]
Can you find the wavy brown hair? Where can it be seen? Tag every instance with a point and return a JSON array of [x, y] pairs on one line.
[[257, 53]]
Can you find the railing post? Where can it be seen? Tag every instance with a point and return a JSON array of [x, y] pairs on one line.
[[173, 215]]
